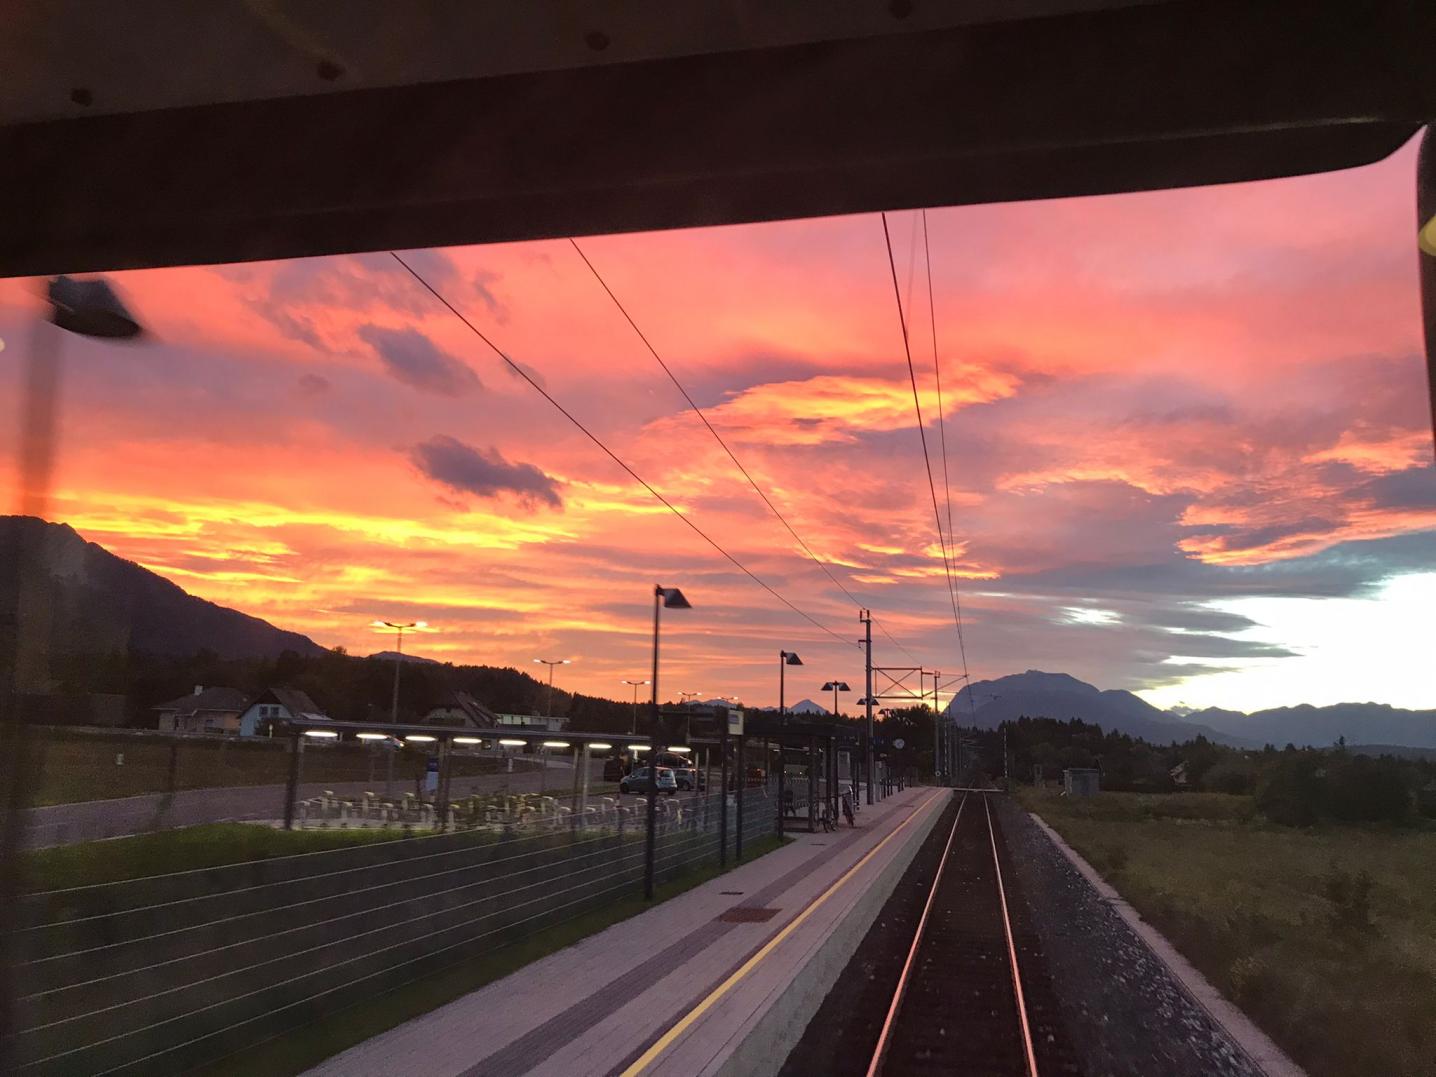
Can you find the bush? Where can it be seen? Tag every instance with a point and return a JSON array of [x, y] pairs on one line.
[[1290, 794], [1234, 775], [1365, 790], [1350, 897]]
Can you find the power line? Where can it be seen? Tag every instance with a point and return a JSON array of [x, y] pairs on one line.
[[922, 431], [719, 438], [521, 372], [942, 433]]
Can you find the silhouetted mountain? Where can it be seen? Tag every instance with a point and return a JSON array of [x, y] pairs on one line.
[[1056, 695], [807, 706], [83, 600], [1305, 725], [389, 656]]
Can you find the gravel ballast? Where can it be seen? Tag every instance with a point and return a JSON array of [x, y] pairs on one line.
[[1123, 1010]]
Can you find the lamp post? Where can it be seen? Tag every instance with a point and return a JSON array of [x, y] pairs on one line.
[[634, 731], [785, 659], [89, 308], [398, 627], [835, 687], [551, 662], [663, 598]]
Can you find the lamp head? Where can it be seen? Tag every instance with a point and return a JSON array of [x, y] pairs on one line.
[[90, 308], [790, 658], [673, 598]]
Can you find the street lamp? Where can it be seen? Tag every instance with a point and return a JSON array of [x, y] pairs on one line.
[[663, 598], [835, 687], [398, 626], [686, 697], [88, 308], [551, 662], [635, 683], [785, 659]]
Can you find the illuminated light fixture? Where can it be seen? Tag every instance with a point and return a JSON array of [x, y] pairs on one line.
[[680, 749], [1426, 238], [372, 736], [638, 747], [419, 738], [555, 744], [467, 740], [510, 743], [599, 746], [322, 734]]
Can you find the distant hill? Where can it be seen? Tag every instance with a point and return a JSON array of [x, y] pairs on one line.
[[98, 603], [389, 656], [1305, 725], [807, 706], [1057, 695]]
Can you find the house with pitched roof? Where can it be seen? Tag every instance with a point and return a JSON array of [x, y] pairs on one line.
[[462, 709], [277, 705], [205, 710]]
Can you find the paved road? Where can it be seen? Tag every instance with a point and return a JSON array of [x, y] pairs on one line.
[[90, 820]]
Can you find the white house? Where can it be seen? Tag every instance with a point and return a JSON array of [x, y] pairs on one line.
[[277, 705]]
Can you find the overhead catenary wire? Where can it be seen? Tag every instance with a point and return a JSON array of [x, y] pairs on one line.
[[526, 376], [693, 404], [922, 430], [946, 484]]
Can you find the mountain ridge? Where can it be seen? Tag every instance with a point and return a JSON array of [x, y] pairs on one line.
[[92, 601], [1057, 695]]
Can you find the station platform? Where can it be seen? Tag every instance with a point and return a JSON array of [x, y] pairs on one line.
[[719, 980]]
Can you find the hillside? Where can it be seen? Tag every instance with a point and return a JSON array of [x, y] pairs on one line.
[[97, 603], [1059, 696], [1365, 723]]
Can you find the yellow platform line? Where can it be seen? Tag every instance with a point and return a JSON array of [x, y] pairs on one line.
[[686, 1022]]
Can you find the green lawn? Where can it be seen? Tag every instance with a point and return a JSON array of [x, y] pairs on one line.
[[74, 767], [166, 851], [301, 1048], [1258, 909]]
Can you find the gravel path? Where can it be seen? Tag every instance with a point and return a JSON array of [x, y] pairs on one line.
[[1124, 1012]]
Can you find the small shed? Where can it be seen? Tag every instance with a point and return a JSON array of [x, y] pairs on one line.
[[1082, 781]]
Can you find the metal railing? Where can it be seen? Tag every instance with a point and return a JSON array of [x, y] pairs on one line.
[[161, 974]]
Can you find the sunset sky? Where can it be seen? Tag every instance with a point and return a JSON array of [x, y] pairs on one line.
[[1188, 445]]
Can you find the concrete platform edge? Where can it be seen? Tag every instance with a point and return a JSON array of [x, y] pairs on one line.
[[1240, 1028], [765, 1047]]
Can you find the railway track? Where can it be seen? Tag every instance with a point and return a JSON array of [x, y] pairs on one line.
[[959, 1004]]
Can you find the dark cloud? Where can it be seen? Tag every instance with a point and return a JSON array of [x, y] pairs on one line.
[[312, 384], [483, 473], [414, 359], [1414, 488]]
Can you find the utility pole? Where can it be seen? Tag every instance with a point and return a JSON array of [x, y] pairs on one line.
[[866, 617]]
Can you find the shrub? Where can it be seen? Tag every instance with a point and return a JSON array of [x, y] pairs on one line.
[[1350, 897], [1235, 774], [1365, 790], [1290, 793]]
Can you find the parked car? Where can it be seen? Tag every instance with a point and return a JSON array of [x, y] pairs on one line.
[[636, 781]]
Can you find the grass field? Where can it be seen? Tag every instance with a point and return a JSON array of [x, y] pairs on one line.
[[96, 767], [208, 846], [1275, 918]]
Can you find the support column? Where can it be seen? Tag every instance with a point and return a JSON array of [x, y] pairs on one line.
[[296, 770], [723, 802], [742, 781]]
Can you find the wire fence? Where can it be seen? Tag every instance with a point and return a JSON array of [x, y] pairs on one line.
[[161, 974], [95, 784]]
